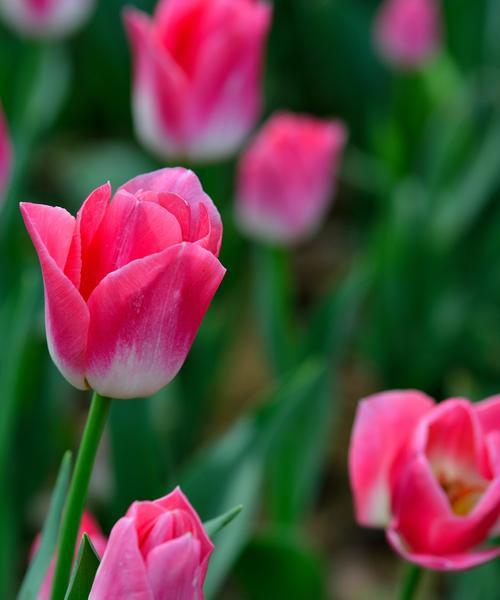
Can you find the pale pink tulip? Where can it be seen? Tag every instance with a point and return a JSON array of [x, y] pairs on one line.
[[197, 75], [91, 528], [429, 474], [127, 282], [5, 155], [408, 32], [45, 18], [286, 177], [158, 551]]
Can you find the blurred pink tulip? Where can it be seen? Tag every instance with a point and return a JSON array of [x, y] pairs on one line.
[[286, 177], [5, 155], [408, 32], [45, 18], [158, 550], [430, 474], [197, 82], [88, 526], [127, 282]]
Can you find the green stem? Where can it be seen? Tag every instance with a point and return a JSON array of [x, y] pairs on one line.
[[412, 578], [77, 494]]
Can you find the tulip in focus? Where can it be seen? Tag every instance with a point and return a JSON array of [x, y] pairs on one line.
[[158, 550], [88, 526], [197, 75], [408, 32], [45, 18], [5, 155], [430, 475], [127, 282], [286, 177]]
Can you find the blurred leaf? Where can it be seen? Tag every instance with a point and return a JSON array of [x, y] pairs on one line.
[[480, 583], [214, 526], [274, 565], [84, 570], [48, 540]]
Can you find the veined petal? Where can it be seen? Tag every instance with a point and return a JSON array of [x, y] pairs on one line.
[[143, 319]]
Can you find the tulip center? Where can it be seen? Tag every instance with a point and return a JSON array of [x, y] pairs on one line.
[[462, 496]]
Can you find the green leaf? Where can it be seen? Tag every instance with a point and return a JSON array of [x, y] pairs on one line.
[[214, 526], [41, 561], [82, 577]]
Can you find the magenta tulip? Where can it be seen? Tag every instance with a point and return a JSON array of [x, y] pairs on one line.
[[197, 81], [408, 32], [286, 177], [5, 155], [45, 18], [127, 282], [99, 541], [158, 551], [429, 474]]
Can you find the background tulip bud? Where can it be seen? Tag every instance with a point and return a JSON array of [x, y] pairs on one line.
[[127, 282], [286, 177], [408, 32], [91, 528], [430, 474], [197, 80], [5, 155], [45, 18], [158, 549]]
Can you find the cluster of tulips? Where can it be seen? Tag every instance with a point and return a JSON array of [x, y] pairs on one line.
[[129, 279]]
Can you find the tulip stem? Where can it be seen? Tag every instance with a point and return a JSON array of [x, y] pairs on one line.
[[77, 494], [412, 577]]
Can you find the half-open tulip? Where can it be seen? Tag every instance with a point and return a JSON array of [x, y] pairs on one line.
[[430, 474], [91, 528], [197, 80], [45, 18], [408, 32], [158, 550], [286, 177], [5, 155], [127, 282]]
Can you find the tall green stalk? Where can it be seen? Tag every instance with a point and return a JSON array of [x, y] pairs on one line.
[[412, 578]]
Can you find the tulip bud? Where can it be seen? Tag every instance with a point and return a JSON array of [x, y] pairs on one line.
[[408, 32], [127, 282], [286, 177], [197, 75], [5, 155], [158, 549], [45, 18]]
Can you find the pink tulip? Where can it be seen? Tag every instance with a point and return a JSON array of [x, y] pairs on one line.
[[286, 177], [88, 526], [127, 282], [408, 32], [197, 80], [429, 474], [5, 155], [158, 551], [45, 18]]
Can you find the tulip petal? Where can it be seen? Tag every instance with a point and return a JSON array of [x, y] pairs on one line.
[[144, 318], [66, 314], [186, 185], [174, 569], [424, 518], [488, 412], [383, 425], [122, 573]]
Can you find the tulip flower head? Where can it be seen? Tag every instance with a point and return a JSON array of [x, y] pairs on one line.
[[157, 550], [91, 528], [45, 18], [408, 32], [430, 475], [286, 177], [197, 75], [127, 282], [5, 155]]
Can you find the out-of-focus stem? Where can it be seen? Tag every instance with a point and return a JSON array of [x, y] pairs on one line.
[[412, 577]]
